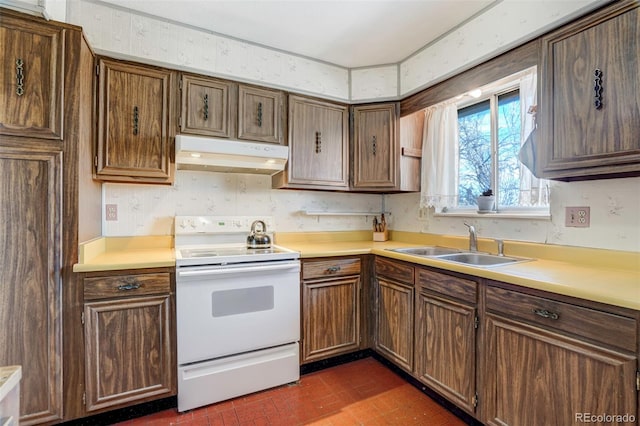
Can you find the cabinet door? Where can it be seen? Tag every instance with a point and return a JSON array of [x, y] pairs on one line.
[[331, 317], [134, 103], [30, 278], [445, 348], [128, 350], [537, 377], [31, 78], [394, 322], [375, 146], [260, 114], [208, 107], [318, 139], [582, 138]]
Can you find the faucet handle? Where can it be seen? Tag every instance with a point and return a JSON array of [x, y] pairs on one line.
[[500, 247]]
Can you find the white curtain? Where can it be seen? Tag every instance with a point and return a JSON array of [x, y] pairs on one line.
[[439, 178], [533, 191]]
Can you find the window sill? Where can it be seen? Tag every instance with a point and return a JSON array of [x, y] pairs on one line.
[[529, 215]]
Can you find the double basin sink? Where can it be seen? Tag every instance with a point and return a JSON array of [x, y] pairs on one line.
[[483, 260]]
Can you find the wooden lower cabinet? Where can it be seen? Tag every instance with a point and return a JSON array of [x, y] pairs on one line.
[[537, 377], [330, 307], [394, 312], [130, 351], [31, 278], [541, 375], [445, 337]]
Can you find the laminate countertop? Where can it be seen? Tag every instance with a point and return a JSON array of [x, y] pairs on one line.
[[606, 276]]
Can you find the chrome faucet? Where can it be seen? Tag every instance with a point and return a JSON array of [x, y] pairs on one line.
[[473, 238]]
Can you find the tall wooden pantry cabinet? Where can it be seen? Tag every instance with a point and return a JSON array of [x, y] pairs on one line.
[[48, 203]]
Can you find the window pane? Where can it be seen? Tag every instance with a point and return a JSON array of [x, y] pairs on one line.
[[474, 172], [508, 148]]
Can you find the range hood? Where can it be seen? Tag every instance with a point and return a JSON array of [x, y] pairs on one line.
[[229, 156]]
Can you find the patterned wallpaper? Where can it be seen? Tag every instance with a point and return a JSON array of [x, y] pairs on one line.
[[115, 31], [122, 33], [500, 28], [149, 209], [614, 206]]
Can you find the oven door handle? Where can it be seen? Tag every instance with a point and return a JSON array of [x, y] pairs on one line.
[[240, 270]]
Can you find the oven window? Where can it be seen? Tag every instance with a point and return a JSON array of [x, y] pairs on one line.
[[241, 301]]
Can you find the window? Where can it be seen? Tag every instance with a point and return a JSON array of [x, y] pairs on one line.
[[488, 150], [472, 143]]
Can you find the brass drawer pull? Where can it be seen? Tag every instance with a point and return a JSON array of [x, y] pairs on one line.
[[597, 88], [546, 314], [19, 77], [259, 114], [136, 119], [132, 285], [333, 269]]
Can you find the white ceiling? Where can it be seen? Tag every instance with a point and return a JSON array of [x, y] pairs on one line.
[[349, 33]]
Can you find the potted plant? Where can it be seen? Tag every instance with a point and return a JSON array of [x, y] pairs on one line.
[[486, 201]]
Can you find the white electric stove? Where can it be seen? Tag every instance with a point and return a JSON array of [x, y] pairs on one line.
[[238, 311]]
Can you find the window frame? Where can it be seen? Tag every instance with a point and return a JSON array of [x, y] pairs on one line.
[[492, 92]]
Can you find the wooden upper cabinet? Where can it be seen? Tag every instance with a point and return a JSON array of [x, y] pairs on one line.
[[31, 78], [319, 144], [260, 114], [134, 122], [375, 147], [208, 106], [589, 106]]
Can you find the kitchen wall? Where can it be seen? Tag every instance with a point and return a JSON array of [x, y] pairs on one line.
[[122, 33], [149, 209], [614, 206], [146, 209]]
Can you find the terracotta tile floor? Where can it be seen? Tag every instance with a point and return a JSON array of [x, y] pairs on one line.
[[363, 392]]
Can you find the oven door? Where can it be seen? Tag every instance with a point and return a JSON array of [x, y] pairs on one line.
[[231, 309]]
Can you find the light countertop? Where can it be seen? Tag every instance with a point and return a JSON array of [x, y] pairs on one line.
[[117, 253], [9, 377], [605, 276]]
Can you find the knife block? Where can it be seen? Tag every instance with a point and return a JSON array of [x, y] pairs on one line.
[[381, 236]]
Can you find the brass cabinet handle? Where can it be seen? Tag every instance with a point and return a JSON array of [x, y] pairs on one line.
[[374, 145], [19, 77], [318, 142], [546, 314], [206, 106], [259, 114], [333, 269], [597, 88], [132, 285], [136, 118]]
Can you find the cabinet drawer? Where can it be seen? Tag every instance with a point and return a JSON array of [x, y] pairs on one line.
[[396, 270], [458, 288], [126, 285], [330, 268], [610, 329]]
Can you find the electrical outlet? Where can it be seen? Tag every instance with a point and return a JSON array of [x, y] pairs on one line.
[[111, 211], [577, 217]]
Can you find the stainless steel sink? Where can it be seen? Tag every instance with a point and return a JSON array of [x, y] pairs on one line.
[[427, 251], [481, 259]]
